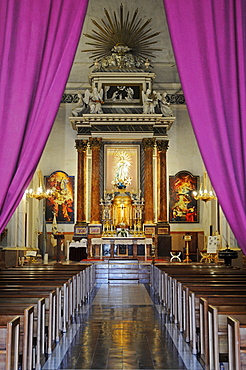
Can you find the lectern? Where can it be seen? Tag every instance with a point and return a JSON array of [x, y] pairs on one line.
[[59, 238]]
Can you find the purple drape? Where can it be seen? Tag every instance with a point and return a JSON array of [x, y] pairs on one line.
[[38, 41], [208, 38]]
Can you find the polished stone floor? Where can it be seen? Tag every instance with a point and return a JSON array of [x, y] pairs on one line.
[[122, 328]]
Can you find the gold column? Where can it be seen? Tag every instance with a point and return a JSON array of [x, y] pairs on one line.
[[81, 146], [148, 145], [95, 144], [162, 146]]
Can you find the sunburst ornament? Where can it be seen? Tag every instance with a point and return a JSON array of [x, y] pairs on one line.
[[122, 40]]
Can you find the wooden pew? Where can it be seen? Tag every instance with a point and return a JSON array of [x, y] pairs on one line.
[[236, 343], [71, 294], [190, 305], [26, 316], [163, 277], [177, 288], [217, 300], [179, 292], [62, 287], [217, 330], [77, 289], [9, 343], [39, 338], [175, 302], [34, 287], [77, 276], [197, 318], [49, 319]]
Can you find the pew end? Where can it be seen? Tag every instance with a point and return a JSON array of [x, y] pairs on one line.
[[236, 343], [9, 343]]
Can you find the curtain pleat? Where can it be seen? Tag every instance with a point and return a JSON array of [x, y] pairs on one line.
[[38, 42], [208, 39]]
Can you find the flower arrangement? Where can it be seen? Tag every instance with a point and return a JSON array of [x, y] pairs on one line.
[[122, 233]]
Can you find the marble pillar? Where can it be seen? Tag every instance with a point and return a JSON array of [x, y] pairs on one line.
[[164, 240], [162, 146], [81, 146], [95, 144], [148, 146]]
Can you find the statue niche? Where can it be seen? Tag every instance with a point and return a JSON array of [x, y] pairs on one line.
[[122, 211]]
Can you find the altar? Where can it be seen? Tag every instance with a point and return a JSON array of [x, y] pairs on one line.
[[117, 247], [122, 123]]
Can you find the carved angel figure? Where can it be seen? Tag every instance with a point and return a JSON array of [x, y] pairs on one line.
[[79, 106], [150, 100], [95, 100], [165, 106]]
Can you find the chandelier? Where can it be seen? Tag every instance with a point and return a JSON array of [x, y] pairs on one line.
[[204, 194], [40, 193]]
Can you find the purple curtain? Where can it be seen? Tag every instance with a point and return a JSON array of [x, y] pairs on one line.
[[38, 41], [208, 38]]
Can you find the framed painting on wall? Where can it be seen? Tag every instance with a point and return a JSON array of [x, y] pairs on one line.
[[61, 202], [183, 207]]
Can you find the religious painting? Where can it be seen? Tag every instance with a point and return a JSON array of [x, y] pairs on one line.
[[121, 167], [119, 93], [61, 203], [183, 207]]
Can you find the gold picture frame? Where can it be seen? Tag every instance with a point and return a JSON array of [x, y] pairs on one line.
[[110, 161]]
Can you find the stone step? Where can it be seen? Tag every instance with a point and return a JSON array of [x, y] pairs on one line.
[[123, 281], [122, 271]]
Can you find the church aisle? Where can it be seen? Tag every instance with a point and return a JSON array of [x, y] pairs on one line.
[[122, 328]]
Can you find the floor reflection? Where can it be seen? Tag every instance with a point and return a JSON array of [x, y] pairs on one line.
[[123, 328]]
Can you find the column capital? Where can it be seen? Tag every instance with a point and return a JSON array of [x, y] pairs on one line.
[[81, 145], [95, 142], [162, 145], [148, 143]]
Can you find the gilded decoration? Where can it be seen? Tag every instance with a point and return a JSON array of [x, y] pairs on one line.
[[122, 41], [162, 145], [148, 143], [95, 143], [81, 145]]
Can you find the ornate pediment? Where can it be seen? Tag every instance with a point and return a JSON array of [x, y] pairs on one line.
[[122, 99]]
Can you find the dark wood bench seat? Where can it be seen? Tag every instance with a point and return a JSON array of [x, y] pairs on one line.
[[217, 330], [236, 331], [39, 322], [20, 287], [26, 316], [50, 313], [9, 343], [189, 315], [226, 301], [181, 288]]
